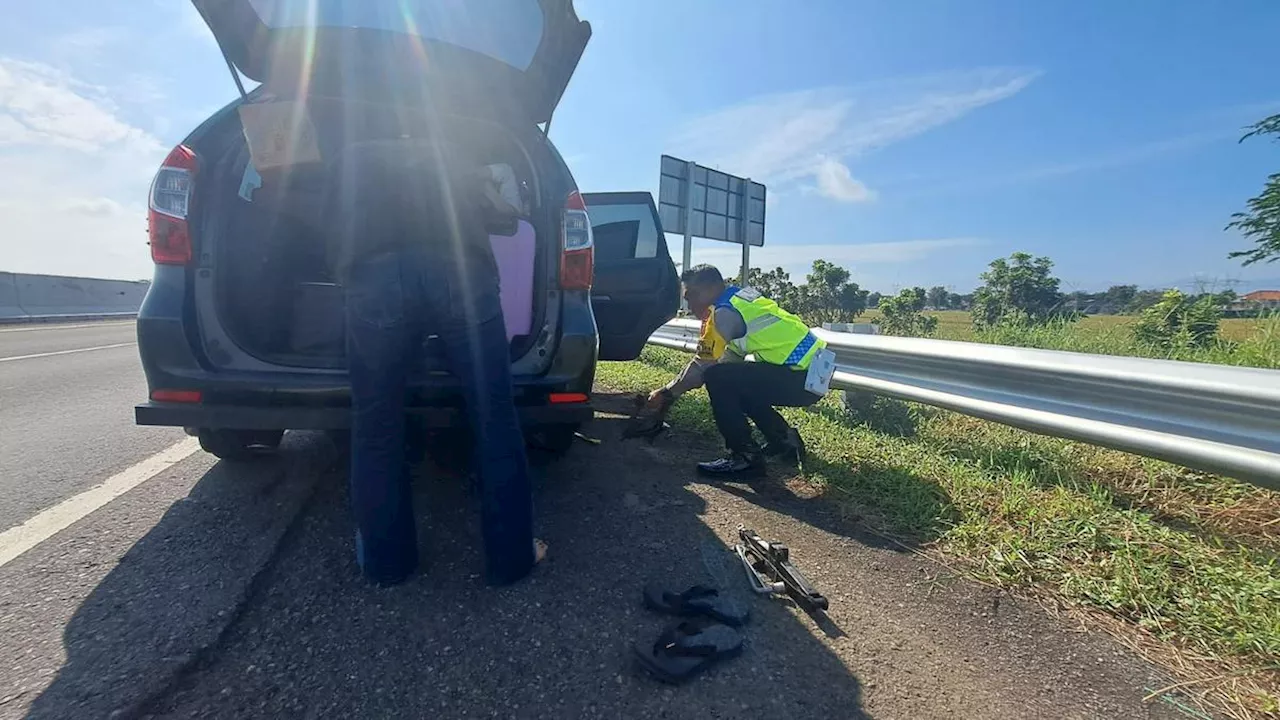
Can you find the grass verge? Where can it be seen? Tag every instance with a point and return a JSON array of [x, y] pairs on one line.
[[1183, 566]]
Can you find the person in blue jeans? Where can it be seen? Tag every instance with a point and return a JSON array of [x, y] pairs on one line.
[[413, 256]]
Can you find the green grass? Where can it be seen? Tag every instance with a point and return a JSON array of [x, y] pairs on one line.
[[1185, 560]]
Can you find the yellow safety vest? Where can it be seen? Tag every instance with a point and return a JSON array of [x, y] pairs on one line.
[[711, 344], [773, 335]]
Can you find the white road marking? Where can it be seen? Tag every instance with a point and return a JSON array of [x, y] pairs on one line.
[[17, 540], [66, 352], [37, 328]]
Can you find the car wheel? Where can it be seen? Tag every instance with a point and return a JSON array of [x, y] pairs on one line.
[[239, 445], [553, 440]]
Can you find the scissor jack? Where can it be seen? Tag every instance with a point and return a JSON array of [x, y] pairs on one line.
[[770, 572]]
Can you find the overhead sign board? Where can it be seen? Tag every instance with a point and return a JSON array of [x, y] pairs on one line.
[[715, 205]]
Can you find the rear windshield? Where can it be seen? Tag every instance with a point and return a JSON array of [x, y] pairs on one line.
[[506, 30]]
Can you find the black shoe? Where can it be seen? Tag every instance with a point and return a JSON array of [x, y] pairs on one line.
[[736, 465], [791, 451]]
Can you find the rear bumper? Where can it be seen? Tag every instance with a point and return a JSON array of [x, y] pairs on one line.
[[246, 417]]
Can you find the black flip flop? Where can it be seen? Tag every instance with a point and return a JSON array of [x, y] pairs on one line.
[[687, 649], [697, 600]]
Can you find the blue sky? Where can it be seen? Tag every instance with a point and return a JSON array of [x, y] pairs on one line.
[[910, 142]]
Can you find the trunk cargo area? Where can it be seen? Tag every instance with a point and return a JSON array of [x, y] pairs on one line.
[[274, 292]]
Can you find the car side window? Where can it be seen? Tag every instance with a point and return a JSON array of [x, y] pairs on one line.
[[623, 232]]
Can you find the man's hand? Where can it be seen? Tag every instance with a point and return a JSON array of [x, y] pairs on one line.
[[659, 399]]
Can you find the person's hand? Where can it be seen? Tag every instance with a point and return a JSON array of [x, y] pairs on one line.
[[658, 399]]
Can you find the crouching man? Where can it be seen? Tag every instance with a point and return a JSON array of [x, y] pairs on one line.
[[791, 368]]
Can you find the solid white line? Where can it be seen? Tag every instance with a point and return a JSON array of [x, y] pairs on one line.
[[66, 352], [37, 328], [46, 524]]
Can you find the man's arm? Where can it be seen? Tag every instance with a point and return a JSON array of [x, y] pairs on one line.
[[690, 378], [730, 327]]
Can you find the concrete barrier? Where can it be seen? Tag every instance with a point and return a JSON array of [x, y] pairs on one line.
[[10, 309], [45, 298]]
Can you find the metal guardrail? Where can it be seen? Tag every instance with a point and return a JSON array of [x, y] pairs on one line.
[[1215, 418]]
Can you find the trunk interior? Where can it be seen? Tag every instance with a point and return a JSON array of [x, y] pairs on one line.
[[275, 295]]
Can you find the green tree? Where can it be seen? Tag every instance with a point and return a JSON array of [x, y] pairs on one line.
[[1144, 299], [1081, 302], [1180, 321], [938, 298], [901, 315], [1118, 298], [873, 300], [1019, 289], [828, 296], [775, 285], [1261, 222]]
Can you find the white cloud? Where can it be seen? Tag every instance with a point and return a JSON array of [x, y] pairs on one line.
[[72, 196], [1124, 156], [856, 257], [836, 182], [798, 137], [40, 105]]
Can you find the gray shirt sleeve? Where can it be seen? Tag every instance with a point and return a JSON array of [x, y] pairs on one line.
[[730, 326]]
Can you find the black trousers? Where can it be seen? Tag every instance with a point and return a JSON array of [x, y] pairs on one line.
[[741, 390]]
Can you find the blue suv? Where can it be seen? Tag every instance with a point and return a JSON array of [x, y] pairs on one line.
[[241, 334]]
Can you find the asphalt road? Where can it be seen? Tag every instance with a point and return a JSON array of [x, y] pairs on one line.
[[229, 590], [66, 420]]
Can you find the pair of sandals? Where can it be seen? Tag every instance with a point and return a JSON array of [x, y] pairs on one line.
[[694, 645]]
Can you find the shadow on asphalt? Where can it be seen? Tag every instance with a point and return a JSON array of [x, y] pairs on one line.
[[312, 640], [172, 593]]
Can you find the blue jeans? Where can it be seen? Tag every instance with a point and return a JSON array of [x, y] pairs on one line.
[[393, 301]]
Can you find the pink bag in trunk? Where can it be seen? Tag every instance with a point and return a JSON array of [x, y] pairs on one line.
[[515, 256]]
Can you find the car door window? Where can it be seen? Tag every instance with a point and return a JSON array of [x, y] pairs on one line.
[[636, 288], [623, 232], [506, 30]]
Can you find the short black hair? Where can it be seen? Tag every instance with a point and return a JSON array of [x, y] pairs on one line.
[[702, 275]]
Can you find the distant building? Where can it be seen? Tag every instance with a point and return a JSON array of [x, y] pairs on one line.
[[1262, 299]]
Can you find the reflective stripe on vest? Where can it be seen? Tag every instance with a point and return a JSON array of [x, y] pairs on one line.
[[773, 334]]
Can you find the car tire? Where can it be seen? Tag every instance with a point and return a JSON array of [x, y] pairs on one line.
[[552, 440], [239, 445]]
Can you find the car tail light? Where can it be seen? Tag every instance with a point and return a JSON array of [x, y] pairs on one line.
[[577, 259], [170, 239], [180, 396], [568, 398]]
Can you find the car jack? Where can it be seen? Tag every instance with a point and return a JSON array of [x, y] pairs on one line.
[[644, 423], [770, 572]]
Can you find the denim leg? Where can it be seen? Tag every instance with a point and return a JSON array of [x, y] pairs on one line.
[[380, 334], [463, 299], [480, 358]]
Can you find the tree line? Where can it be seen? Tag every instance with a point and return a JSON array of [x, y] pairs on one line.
[[1018, 290]]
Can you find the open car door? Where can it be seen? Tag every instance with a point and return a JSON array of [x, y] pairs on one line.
[[636, 288], [504, 53]]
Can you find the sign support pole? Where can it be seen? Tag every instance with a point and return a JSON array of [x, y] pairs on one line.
[[687, 259], [743, 224]]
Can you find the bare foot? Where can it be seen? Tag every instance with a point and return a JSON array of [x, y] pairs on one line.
[[539, 551]]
